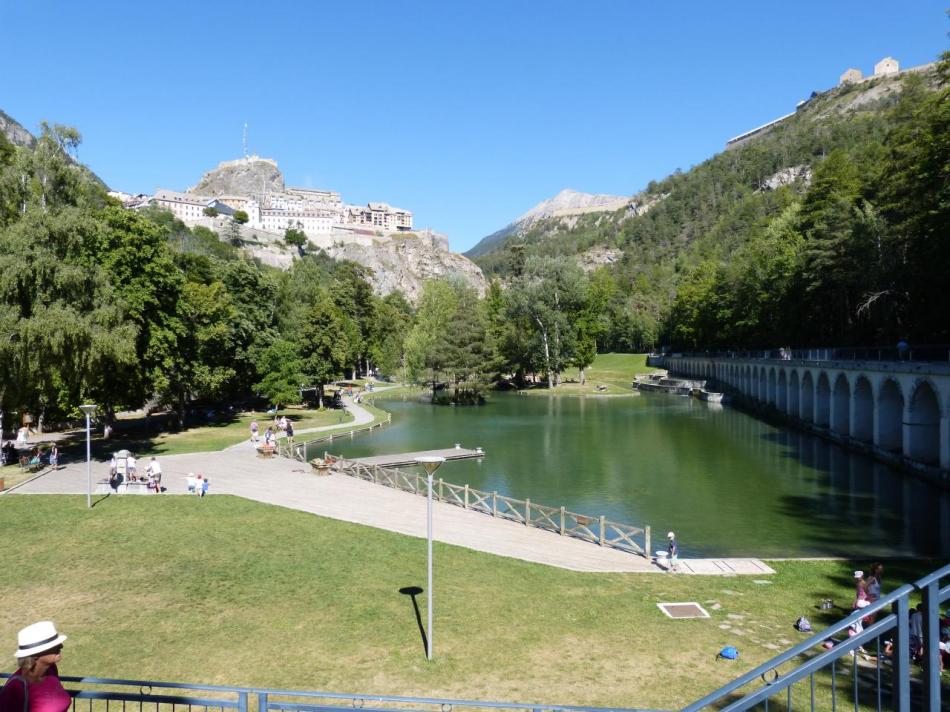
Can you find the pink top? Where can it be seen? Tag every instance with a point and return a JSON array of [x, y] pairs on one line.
[[47, 695]]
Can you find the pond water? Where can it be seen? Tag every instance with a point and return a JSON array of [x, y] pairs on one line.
[[726, 483]]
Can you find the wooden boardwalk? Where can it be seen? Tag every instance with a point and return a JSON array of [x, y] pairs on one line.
[[401, 459], [286, 483]]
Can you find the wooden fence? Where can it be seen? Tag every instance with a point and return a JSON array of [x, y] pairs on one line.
[[597, 530], [304, 451]]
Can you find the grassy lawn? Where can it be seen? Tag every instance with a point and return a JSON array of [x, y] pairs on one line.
[[615, 371], [228, 591]]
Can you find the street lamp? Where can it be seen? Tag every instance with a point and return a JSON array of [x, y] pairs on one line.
[[89, 410], [431, 463]]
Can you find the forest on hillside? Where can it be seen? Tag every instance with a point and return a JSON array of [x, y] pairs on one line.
[[855, 256]]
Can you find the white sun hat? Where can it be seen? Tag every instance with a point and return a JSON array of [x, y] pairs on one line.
[[36, 638], [670, 535], [859, 574]]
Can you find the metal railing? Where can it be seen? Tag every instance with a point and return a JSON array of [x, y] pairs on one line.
[[873, 677], [920, 354], [93, 694], [596, 529]]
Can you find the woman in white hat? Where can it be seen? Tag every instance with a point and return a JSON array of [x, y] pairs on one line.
[[35, 686]]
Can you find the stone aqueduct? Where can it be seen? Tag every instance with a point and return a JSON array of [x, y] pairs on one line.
[[896, 410]]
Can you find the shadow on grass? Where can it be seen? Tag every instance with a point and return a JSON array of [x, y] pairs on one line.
[[412, 592]]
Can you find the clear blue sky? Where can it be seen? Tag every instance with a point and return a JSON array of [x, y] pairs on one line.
[[466, 113]]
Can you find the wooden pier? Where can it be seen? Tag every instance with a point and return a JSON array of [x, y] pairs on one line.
[[402, 459]]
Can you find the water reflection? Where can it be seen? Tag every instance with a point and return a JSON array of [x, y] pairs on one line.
[[727, 483]]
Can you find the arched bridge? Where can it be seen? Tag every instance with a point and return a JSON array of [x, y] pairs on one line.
[[898, 411]]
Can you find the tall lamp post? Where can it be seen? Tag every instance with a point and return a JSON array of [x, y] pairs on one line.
[[431, 463], [89, 410]]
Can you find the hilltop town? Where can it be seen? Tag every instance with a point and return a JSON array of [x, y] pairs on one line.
[[255, 186]]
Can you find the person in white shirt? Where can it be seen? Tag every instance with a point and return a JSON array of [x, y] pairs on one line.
[[130, 467], [154, 472]]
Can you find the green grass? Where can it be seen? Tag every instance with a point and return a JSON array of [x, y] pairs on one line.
[[615, 371], [228, 591]]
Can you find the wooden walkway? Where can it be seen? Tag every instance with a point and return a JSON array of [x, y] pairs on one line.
[[409, 458], [291, 484]]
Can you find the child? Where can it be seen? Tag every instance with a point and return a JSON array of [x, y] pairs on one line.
[[674, 551]]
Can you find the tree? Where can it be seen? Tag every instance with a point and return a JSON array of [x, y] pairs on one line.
[[240, 217], [324, 347], [281, 372], [210, 211], [545, 302]]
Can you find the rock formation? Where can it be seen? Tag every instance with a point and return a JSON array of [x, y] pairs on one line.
[[245, 176]]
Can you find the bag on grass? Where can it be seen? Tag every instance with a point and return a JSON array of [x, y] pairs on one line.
[[802, 625], [729, 653]]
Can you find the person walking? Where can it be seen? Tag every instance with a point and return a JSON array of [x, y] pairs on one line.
[[35, 686], [673, 552], [254, 430], [290, 431]]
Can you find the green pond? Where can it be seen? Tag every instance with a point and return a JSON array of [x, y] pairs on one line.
[[726, 483]]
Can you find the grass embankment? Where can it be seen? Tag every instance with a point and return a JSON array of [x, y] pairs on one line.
[[610, 374], [228, 591]]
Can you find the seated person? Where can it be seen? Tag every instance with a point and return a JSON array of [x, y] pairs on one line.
[[191, 482]]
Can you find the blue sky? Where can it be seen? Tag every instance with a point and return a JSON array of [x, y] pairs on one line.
[[467, 114]]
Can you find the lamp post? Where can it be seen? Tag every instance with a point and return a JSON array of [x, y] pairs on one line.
[[89, 410], [431, 463]]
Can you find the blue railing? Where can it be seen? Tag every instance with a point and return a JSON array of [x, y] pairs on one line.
[[887, 682], [808, 675], [116, 695]]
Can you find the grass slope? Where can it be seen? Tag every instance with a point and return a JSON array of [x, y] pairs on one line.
[[615, 371], [228, 591]]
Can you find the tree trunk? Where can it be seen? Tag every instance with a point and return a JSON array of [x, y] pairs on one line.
[[582, 377], [547, 352]]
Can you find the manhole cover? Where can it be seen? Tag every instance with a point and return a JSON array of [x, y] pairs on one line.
[[683, 610]]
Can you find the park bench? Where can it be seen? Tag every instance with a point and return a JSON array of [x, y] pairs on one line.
[[266, 450]]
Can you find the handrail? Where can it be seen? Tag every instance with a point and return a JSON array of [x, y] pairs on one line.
[[897, 600], [357, 699], [605, 532]]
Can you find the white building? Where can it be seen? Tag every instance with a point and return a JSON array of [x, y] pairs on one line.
[[886, 66], [185, 206], [851, 76], [380, 216]]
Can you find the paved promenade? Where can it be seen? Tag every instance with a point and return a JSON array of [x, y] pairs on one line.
[[285, 483]]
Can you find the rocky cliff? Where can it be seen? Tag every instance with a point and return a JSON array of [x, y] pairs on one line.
[[15, 133], [405, 261], [245, 176]]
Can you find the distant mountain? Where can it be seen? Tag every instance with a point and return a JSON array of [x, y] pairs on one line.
[[566, 203], [679, 219]]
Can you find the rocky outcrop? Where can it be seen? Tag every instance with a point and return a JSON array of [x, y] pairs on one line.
[[598, 256], [246, 176], [15, 133], [787, 176], [404, 261]]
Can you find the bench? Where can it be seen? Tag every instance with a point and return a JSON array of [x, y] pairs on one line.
[[266, 450]]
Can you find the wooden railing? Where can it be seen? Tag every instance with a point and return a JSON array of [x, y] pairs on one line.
[[597, 530], [306, 450]]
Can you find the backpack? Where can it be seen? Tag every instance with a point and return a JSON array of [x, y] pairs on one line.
[[729, 653], [802, 625]]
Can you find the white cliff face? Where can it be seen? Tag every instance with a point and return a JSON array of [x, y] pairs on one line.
[[404, 261]]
